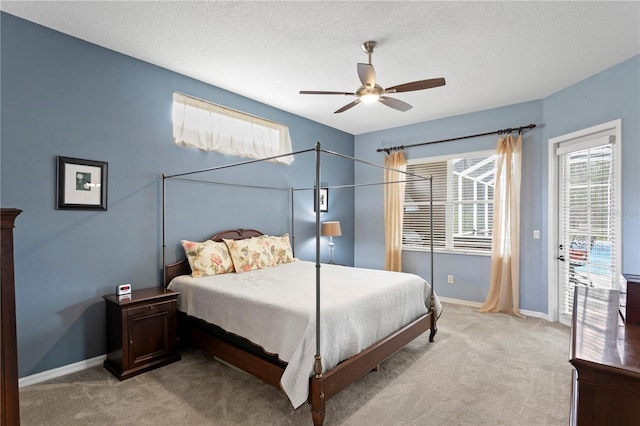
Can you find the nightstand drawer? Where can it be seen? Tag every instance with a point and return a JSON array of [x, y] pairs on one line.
[[151, 308]]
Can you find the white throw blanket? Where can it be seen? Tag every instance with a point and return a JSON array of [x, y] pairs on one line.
[[276, 308]]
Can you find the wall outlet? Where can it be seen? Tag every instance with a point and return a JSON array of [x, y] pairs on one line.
[[450, 279]]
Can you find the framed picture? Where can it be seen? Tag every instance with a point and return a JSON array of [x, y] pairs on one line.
[[324, 200], [82, 184]]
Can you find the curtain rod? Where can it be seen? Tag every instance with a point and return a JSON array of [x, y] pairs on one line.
[[495, 132], [229, 108]]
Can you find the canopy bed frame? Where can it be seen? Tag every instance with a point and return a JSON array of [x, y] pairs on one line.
[[249, 357]]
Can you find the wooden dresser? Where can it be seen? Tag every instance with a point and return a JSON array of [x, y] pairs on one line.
[[605, 354], [9, 402]]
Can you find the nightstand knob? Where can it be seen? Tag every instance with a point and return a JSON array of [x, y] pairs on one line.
[[131, 342]]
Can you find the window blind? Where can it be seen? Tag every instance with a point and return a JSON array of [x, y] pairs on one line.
[[473, 182], [416, 229], [462, 204], [588, 226]]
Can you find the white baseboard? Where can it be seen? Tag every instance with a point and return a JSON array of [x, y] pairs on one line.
[[535, 314], [460, 302], [532, 314], [60, 371]]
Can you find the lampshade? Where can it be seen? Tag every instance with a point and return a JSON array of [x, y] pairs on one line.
[[330, 229]]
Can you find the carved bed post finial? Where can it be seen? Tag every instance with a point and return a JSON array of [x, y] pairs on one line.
[[317, 368]]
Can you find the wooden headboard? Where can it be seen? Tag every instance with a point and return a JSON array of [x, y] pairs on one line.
[[182, 267]]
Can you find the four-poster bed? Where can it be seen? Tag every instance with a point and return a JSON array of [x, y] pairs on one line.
[[237, 341]]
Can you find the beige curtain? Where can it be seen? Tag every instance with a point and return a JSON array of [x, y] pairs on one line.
[[393, 210], [504, 289]]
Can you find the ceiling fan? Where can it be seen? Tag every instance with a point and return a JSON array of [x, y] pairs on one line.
[[371, 92]]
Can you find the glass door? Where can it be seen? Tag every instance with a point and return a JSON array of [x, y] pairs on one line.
[[588, 231]]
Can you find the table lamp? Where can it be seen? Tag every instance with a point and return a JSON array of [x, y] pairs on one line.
[[330, 229]]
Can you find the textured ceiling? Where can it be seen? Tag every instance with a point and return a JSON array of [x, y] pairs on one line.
[[491, 53]]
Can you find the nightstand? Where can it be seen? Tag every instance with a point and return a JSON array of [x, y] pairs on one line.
[[141, 331]]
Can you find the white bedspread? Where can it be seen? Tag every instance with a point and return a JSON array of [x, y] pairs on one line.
[[275, 308]]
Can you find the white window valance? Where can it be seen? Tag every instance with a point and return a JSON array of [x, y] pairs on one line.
[[210, 127]]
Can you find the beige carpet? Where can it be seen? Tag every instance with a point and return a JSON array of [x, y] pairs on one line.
[[483, 369]]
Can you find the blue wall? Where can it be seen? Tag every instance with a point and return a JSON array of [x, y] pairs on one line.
[[63, 96], [611, 94]]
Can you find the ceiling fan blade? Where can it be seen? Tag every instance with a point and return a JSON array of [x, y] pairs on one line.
[[367, 74], [319, 92], [395, 103], [416, 85], [347, 106]]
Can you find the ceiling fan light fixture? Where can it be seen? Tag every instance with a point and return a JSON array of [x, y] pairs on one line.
[[370, 98], [368, 94]]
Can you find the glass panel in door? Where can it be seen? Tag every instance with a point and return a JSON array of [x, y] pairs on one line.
[[586, 222]]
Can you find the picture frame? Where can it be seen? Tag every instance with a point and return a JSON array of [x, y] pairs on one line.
[[324, 200], [81, 184]]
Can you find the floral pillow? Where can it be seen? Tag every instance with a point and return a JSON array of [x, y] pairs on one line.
[[207, 258], [250, 253], [281, 249]]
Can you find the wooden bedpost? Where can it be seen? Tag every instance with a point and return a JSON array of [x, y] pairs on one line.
[[434, 328], [317, 400], [434, 317]]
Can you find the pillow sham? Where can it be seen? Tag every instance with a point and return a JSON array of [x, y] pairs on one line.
[[251, 253], [207, 258], [281, 249]]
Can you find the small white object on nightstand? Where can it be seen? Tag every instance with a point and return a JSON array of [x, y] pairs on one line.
[[123, 289]]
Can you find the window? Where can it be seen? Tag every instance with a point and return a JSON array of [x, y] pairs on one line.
[[205, 125], [462, 204]]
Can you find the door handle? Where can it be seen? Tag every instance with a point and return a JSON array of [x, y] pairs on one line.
[[561, 257]]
